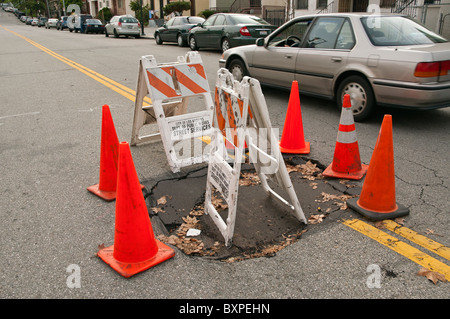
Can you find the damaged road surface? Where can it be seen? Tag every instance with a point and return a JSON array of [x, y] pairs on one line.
[[263, 226]]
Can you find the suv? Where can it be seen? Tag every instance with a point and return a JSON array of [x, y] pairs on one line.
[[123, 25]]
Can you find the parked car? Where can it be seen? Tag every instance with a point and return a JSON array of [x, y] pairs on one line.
[[379, 60], [227, 30], [29, 20], [23, 18], [123, 25], [94, 26], [34, 21], [76, 22], [51, 23], [177, 30], [62, 23], [42, 21]]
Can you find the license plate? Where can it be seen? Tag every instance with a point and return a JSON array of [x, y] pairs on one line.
[[264, 32], [130, 27], [96, 26]]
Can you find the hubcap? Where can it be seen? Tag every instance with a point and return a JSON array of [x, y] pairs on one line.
[[237, 73], [358, 96]]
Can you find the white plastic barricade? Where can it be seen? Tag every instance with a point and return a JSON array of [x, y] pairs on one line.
[[269, 166], [171, 86], [241, 120]]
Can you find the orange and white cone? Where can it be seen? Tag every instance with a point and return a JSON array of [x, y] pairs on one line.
[[346, 161], [135, 247], [293, 139], [377, 199], [106, 188]]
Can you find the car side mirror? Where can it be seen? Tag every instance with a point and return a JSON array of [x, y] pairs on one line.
[[260, 42], [164, 26]]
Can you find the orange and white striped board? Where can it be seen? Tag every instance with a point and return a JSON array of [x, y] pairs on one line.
[[231, 113], [171, 87]]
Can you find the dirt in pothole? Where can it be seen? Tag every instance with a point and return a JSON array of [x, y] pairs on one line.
[[263, 226]]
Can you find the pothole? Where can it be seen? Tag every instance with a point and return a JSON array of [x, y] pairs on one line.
[[263, 226]]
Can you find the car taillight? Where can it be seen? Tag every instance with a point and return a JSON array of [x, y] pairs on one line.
[[120, 24], [244, 31], [432, 69], [139, 25]]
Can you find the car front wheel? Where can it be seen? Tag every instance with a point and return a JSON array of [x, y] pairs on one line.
[[193, 44], [238, 69], [361, 96], [158, 39]]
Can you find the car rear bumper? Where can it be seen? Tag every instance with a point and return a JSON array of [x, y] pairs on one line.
[[125, 31], [412, 95]]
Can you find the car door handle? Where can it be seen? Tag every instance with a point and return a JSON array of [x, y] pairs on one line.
[[336, 59], [288, 56]]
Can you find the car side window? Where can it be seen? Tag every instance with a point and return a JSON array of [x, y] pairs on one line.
[[176, 21], [170, 23], [324, 33], [209, 21], [291, 36], [346, 39], [220, 20]]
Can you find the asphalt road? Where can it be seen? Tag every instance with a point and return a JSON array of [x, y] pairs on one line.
[[50, 117]]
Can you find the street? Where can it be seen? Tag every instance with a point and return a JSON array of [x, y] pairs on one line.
[[53, 85]]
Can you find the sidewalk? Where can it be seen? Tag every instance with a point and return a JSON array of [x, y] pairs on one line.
[[149, 32]]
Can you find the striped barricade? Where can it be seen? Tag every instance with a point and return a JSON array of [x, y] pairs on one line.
[[174, 88], [241, 120]]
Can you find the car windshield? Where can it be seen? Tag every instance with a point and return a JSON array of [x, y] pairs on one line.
[[93, 21], [245, 19], [128, 20], [398, 31]]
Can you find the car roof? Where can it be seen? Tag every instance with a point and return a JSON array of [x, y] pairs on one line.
[[350, 14]]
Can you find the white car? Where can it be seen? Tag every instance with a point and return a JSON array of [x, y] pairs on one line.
[[123, 25], [51, 23]]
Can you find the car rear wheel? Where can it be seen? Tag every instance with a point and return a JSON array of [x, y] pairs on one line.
[[180, 41], [238, 69], [158, 39], [115, 34], [361, 95], [225, 44], [193, 43]]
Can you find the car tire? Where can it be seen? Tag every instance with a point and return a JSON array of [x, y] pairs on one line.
[[193, 44], [180, 41], [115, 34], [225, 44], [158, 39], [237, 69], [361, 95], [106, 33]]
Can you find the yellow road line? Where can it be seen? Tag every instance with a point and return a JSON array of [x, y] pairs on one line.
[[417, 238], [400, 247], [113, 85]]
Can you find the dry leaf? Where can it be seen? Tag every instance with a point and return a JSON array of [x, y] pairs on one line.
[[157, 210], [162, 200], [431, 275], [316, 219]]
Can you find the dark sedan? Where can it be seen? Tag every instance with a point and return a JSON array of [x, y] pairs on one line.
[[94, 26], [177, 30], [226, 30]]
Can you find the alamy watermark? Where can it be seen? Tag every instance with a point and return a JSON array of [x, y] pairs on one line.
[[74, 278], [374, 279]]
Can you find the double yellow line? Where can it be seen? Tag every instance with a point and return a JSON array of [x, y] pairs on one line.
[[113, 85], [403, 248]]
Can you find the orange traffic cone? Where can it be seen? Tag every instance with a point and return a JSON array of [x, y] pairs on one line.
[[377, 199], [135, 247], [346, 161], [106, 188], [293, 140]]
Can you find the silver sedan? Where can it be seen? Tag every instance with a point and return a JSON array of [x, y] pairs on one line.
[[378, 59]]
